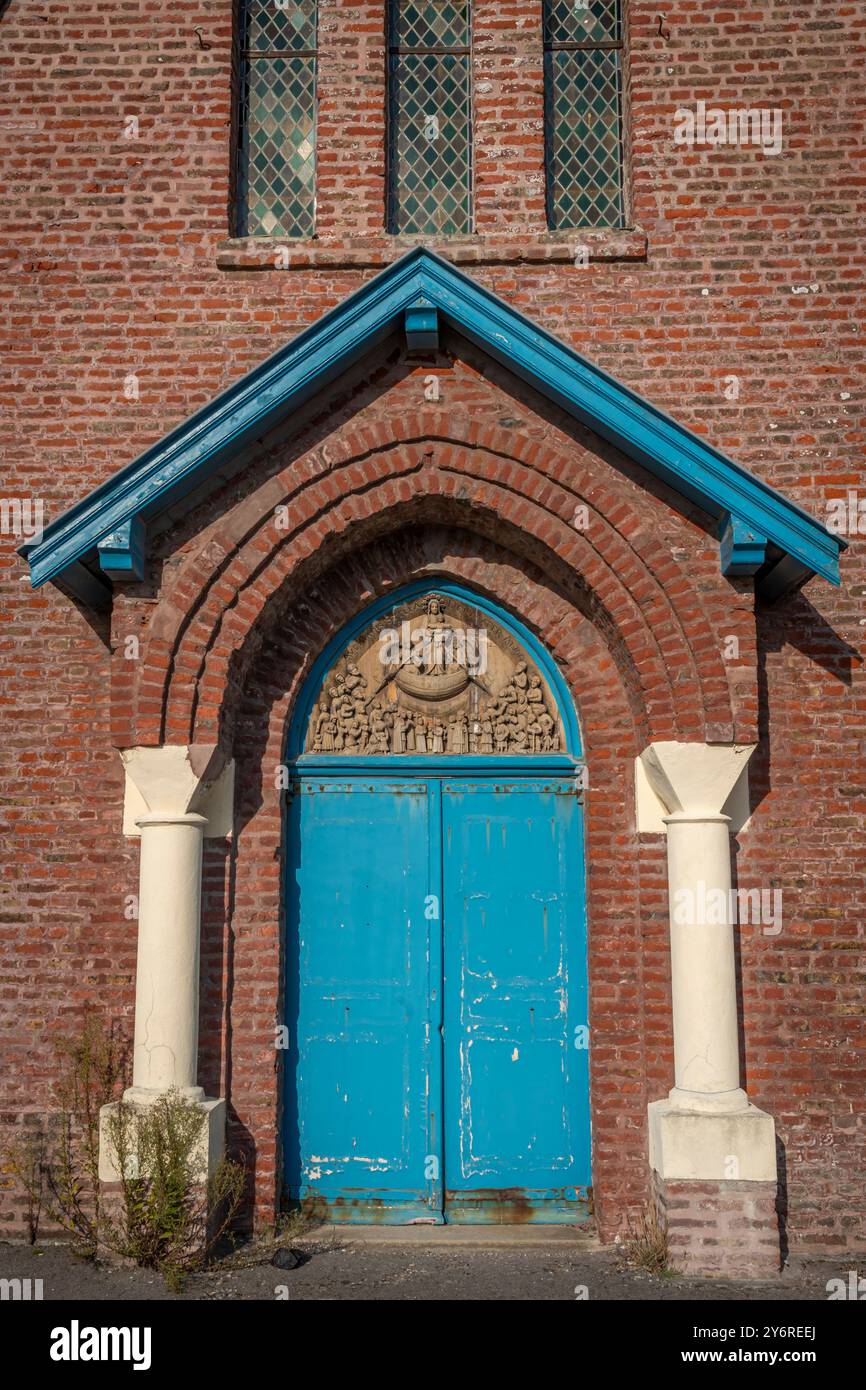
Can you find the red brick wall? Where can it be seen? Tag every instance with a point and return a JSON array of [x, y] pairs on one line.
[[753, 267]]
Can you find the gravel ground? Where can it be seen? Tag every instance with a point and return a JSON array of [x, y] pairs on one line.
[[333, 1269]]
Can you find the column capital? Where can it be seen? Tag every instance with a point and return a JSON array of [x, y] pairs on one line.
[[688, 780], [178, 780]]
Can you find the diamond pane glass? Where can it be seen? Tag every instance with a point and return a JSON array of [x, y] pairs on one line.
[[430, 169], [430, 24], [584, 156], [274, 25], [278, 148], [582, 21]]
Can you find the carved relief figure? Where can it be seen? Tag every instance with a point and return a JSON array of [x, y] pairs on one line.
[[424, 697], [399, 741], [378, 741], [441, 645]]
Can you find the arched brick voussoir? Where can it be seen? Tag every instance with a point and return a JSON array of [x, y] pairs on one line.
[[568, 558], [212, 580], [365, 447], [211, 576], [629, 634], [489, 511], [628, 556]]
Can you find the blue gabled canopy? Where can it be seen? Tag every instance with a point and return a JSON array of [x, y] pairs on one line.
[[105, 535]]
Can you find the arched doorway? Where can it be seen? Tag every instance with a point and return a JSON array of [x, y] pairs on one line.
[[436, 987]]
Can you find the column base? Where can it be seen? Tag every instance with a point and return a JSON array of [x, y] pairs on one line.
[[708, 1102], [714, 1186], [211, 1143], [720, 1230], [736, 1145], [146, 1095], [209, 1150]]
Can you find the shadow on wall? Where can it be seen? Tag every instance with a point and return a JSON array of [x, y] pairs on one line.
[[791, 622], [797, 623], [215, 1006]]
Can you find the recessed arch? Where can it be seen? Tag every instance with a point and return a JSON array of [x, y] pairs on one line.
[[624, 937]]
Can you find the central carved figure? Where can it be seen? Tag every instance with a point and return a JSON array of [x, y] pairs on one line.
[[435, 688], [433, 665]]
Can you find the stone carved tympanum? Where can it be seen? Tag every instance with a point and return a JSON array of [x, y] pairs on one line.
[[432, 680]]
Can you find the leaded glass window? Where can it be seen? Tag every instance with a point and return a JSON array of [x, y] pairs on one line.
[[429, 117], [277, 119], [583, 106]]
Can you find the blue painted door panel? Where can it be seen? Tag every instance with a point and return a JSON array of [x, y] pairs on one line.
[[436, 999], [363, 1073], [516, 1068]]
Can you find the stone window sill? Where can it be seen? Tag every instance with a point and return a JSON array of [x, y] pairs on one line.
[[271, 253]]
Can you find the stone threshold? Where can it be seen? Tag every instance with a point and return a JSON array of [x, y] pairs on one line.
[[272, 253], [448, 1237]]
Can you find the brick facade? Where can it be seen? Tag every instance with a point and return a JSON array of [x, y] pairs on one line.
[[119, 260]]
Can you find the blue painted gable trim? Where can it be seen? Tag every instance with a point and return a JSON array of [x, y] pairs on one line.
[[185, 458], [742, 550], [123, 553]]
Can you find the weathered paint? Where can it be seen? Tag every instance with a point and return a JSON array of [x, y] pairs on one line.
[[517, 1136], [433, 1047], [363, 1067]]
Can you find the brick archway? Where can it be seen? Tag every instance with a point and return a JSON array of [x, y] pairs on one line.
[[661, 623]]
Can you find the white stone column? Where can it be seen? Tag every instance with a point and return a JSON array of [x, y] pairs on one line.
[[703, 976], [175, 797], [706, 1129], [165, 1052]]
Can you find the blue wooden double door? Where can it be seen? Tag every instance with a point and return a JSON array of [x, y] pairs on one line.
[[436, 1000]]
